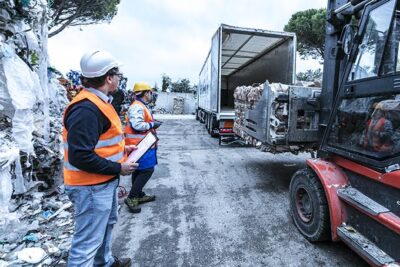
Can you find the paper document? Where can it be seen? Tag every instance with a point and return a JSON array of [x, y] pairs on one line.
[[145, 144]]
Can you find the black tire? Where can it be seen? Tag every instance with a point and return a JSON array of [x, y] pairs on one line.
[[197, 115], [308, 206], [201, 116], [208, 118], [213, 125]]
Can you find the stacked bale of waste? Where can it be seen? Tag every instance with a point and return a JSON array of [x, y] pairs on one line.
[[178, 106], [246, 97]]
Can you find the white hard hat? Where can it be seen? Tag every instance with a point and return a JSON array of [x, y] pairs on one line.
[[96, 63]]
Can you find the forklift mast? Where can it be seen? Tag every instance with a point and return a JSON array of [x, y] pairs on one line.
[[339, 15], [333, 65]]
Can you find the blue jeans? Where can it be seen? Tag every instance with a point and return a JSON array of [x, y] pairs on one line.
[[96, 212]]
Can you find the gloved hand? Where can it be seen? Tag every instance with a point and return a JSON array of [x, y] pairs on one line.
[[157, 124]]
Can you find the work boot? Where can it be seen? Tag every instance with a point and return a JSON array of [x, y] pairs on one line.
[[124, 262], [133, 204], [146, 198]]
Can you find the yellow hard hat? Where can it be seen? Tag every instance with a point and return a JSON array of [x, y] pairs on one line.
[[141, 86]]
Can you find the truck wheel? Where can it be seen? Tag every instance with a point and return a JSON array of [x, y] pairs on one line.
[[308, 205], [201, 115], [213, 125], [207, 122]]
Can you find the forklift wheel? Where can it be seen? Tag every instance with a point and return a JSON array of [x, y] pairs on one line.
[[309, 207]]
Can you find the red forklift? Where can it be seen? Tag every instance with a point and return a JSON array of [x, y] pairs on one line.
[[351, 191]]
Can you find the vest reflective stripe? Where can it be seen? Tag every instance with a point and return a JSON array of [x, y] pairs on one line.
[[114, 158], [111, 144], [117, 157], [104, 143], [133, 137]]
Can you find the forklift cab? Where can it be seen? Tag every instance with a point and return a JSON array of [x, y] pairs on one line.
[[365, 124], [351, 192]]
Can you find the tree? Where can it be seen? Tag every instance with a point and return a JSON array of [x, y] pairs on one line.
[[309, 26], [64, 13], [181, 86], [310, 75], [165, 82]]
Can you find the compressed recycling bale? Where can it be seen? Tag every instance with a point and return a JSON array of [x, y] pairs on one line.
[[179, 104], [245, 98], [255, 93]]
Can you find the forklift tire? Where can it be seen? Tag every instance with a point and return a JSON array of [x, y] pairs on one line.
[[308, 206]]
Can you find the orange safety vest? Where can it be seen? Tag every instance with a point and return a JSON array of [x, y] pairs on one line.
[[375, 141], [133, 137], [111, 144]]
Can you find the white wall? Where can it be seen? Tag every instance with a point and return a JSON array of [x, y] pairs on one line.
[[166, 101]]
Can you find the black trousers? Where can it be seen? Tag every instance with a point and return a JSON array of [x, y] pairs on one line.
[[139, 180]]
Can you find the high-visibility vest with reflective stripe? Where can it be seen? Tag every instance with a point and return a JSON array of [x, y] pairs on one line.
[[133, 137], [111, 144]]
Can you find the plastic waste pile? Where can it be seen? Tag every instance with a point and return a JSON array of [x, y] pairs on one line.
[[31, 105], [39, 232], [72, 83], [160, 111]]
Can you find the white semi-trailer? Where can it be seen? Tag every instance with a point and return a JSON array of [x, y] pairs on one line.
[[241, 56]]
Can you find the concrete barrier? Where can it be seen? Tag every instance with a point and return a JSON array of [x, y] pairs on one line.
[[165, 101]]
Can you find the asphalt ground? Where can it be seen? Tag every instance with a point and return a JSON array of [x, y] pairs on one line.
[[218, 206]]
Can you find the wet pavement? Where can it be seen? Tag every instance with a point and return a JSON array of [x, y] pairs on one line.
[[219, 206]]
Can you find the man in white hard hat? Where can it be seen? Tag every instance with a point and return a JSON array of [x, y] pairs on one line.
[[94, 153]]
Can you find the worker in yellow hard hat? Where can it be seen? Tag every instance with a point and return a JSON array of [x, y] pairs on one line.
[[139, 122], [141, 87]]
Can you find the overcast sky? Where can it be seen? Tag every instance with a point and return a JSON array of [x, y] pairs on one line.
[[151, 37]]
